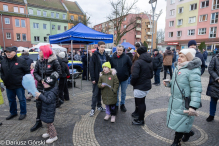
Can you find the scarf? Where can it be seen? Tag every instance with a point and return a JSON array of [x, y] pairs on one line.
[[180, 65]]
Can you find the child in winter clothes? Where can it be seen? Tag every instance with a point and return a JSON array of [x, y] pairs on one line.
[[48, 99], [109, 84]]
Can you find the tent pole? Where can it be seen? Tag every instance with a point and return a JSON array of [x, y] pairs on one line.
[[72, 67], [87, 64]]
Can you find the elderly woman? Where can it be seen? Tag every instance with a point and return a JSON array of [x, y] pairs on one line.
[[185, 84]]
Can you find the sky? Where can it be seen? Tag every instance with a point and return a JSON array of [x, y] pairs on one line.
[[98, 10]]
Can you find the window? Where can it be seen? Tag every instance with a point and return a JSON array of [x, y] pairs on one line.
[[5, 7], [213, 31], [172, 12], [16, 9], [21, 10], [191, 32], [172, 1], [36, 38], [215, 4], [170, 34], [36, 25], [64, 16], [44, 13], [201, 31], [180, 22], [214, 18], [180, 10], [57, 15], [23, 24], [204, 4], [72, 17], [203, 18], [79, 18], [52, 14], [65, 28], [124, 40], [24, 38], [193, 7], [171, 24], [59, 27], [18, 36], [7, 21], [45, 39], [124, 26], [179, 33], [192, 19], [8, 35], [39, 12], [31, 11], [17, 23], [44, 26], [53, 27]]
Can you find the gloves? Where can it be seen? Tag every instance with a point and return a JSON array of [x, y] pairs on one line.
[[191, 112], [68, 77]]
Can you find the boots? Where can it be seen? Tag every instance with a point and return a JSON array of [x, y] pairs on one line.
[[187, 136], [37, 125], [210, 118], [177, 139]]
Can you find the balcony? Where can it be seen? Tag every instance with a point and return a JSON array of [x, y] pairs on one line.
[[138, 29], [149, 26], [149, 33], [148, 40], [138, 36], [138, 21]]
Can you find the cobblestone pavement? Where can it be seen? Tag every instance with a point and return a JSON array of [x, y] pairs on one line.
[[76, 128]]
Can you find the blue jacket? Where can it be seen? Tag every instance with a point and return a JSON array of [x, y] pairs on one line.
[[205, 55], [189, 80], [174, 57], [199, 55]]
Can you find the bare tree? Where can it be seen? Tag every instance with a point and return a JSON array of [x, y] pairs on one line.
[[120, 10], [160, 36]]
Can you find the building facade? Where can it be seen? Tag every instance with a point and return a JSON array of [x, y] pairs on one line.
[[192, 20]]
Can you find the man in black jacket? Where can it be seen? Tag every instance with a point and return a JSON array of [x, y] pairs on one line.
[[98, 58], [157, 66], [13, 69], [85, 75], [192, 44], [25, 56], [122, 63]]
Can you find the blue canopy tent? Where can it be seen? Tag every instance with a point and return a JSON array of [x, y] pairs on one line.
[[80, 34], [126, 46]]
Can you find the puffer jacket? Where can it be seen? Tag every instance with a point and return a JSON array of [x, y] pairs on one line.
[[109, 95], [45, 68], [168, 58], [48, 105], [64, 67], [27, 59], [213, 69], [188, 78], [157, 61]]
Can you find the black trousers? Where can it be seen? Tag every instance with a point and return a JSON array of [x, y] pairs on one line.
[[63, 89], [165, 71], [85, 73], [141, 106]]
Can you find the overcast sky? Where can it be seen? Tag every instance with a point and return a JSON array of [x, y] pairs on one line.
[[98, 10]]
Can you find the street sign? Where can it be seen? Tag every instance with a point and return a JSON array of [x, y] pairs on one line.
[[152, 1]]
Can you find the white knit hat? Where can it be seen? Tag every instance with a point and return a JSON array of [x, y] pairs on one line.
[[62, 55], [189, 53]]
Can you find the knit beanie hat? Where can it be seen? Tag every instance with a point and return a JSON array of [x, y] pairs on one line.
[[51, 80], [192, 42], [62, 55], [168, 48], [141, 50], [189, 53], [155, 49], [107, 64]]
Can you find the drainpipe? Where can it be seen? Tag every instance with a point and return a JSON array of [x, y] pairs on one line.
[[50, 28], [3, 32]]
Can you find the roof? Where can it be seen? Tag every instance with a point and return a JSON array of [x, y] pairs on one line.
[[73, 7], [21, 2], [48, 4]]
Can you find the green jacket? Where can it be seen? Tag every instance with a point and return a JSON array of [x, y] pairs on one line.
[[109, 95], [189, 80]]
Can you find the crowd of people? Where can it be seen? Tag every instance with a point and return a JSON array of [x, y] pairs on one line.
[[107, 75]]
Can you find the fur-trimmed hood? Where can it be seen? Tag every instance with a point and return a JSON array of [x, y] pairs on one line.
[[195, 63], [51, 58], [112, 71]]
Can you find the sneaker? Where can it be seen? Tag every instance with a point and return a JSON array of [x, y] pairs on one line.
[[122, 108], [51, 140], [107, 117], [157, 84], [210, 118], [101, 109], [92, 112], [45, 135], [113, 119]]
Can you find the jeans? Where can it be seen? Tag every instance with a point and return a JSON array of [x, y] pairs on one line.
[[129, 79], [20, 93], [124, 86], [213, 106], [165, 71], [157, 76], [173, 67], [96, 98]]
